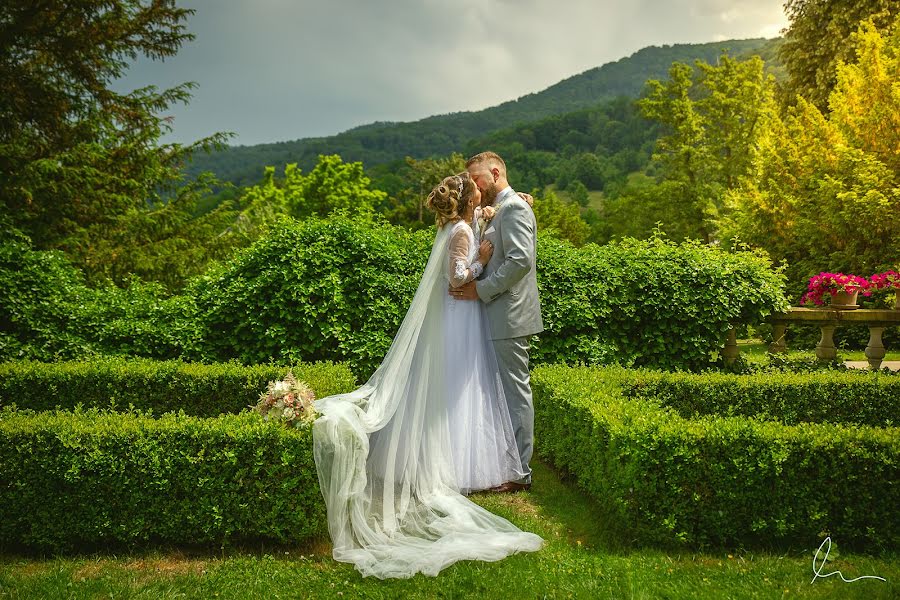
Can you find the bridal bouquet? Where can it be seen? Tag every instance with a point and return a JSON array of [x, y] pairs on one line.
[[288, 401]]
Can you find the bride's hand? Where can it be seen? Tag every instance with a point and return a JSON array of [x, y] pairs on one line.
[[527, 198], [485, 251]]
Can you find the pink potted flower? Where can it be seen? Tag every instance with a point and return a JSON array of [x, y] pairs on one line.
[[841, 289], [887, 281]]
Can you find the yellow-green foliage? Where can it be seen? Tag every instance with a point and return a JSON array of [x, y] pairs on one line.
[[825, 193]]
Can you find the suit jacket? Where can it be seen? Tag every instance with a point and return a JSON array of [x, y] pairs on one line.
[[508, 285]]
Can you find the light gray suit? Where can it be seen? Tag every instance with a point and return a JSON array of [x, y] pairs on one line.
[[508, 287]]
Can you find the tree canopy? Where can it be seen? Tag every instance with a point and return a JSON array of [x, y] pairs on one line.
[[820, 37], [80, 164], [825, 194], [712, 116]]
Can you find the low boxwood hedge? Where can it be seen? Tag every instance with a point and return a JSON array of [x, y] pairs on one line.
[[828, 397], [717, 480], [86, 479], [161, 386]]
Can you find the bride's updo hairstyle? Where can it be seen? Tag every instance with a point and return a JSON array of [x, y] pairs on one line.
[[449, 198]]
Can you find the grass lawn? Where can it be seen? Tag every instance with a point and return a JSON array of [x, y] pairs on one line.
[[586, 556], [754, 349], [595, 198]]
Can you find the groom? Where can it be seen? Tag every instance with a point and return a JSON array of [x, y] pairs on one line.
[[508, 288]]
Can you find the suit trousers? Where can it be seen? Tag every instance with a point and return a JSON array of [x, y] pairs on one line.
[[512, 359]]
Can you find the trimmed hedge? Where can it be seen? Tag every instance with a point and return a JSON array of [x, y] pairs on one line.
[[649, 302], [161, 386], [338, 289], [717, 480], [321, 289], [47, 311], [89, 479], [852, 397]]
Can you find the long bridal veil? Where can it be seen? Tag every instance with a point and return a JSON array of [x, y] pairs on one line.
[[384, 462]]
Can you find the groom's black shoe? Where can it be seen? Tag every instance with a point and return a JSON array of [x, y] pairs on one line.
[[510, 487]]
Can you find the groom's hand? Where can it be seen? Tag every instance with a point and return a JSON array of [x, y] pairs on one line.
[[465, 292]]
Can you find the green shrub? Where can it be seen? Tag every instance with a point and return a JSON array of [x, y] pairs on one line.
[[334, 289], [37, 293], [48, 313], [648, 303], [86, 480], [717, 480], [197, 389], [337, 289], [138, 321], [851, 397]]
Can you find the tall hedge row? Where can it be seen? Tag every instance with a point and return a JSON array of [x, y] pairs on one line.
[[649, 303], [332, 289], [48, 313], [337, 289]]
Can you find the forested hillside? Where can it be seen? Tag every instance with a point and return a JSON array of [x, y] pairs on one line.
[[436, 136]]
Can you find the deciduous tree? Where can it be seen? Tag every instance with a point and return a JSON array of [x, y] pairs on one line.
[[819, 37], [713, 118], [825, 191]]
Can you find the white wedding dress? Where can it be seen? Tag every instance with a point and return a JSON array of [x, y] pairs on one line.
[[482, 441], [387, 454]]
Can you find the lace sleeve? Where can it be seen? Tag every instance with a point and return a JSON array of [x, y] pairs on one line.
[[461, 272]]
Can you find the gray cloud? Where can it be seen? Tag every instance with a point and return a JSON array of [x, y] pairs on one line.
[[273, 70]]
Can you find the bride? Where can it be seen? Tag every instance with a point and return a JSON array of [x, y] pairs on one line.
[[482, 441], [396, 456]]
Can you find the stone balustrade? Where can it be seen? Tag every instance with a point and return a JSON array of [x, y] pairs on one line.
[[828, 319]]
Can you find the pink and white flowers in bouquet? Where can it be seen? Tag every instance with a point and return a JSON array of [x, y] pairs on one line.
[[288, 401]]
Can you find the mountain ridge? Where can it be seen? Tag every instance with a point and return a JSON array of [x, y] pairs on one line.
[[439, 135]]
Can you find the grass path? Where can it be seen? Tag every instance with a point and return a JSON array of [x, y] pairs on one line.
[[586, 556]]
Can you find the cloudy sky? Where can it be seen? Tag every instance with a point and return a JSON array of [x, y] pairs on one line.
[[275, 70]]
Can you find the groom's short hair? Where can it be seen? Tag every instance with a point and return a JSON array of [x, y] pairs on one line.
[[491, 158]]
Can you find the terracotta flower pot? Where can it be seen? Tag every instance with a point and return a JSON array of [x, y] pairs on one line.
[[844, 300]]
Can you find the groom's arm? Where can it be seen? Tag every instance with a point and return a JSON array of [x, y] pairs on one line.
[[517, 233]]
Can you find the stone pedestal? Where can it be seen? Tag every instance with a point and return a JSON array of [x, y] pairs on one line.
[[778, 342], [826, 351], [875, 349], [731, 351]]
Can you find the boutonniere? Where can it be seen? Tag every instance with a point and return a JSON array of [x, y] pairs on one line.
[[487, 213]]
